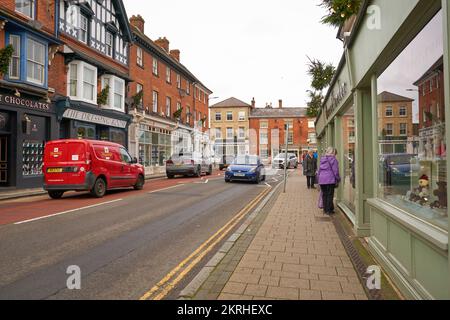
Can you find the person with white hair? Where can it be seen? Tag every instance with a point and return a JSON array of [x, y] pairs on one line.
[[329, 179]]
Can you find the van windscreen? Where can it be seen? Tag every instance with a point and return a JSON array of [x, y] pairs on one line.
[[65, 152]]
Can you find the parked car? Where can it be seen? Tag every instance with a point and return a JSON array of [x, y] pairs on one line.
[[397, 169], [246, 168], [89, 165], [186, 164], [279, 160]]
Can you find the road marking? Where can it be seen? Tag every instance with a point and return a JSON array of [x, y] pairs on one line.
[[202, 182], [69, 211], [159, 190], [268, 185], [164, 286]]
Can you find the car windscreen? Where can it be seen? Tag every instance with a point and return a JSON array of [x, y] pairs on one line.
[[246, 161]]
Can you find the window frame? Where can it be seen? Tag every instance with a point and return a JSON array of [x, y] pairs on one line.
[[391, 108], [139, 57], [400, 109], [243, 114], [218, 119], [155, 67], [32, 9], [111, 46], [155, 94], [232, 133], [18, 57], [84, 17], [228, 113], [168, 75]]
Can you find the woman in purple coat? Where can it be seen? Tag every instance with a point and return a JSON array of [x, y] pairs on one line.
[[329, 178]]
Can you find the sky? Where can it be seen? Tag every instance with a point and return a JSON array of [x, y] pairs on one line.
[[245, 49]]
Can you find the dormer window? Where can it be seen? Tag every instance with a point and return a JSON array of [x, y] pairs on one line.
[[25, 7]]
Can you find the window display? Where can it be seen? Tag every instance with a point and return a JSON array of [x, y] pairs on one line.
[[155, 146], [410, 178], [349, 142], [33, 157]]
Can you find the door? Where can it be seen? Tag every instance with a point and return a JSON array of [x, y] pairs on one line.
[[128, 174], [4, 161]]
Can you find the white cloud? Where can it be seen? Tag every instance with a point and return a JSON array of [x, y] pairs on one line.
[[252, 48]]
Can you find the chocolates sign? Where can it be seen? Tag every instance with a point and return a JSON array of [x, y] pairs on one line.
[[24, 103]]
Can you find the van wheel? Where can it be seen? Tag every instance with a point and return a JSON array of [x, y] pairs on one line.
[[56, 194], [140, 183], [99, 189], [170, 176], [210, 170], [198, 173]]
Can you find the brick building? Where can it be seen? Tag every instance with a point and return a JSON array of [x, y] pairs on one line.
[[395, 120], [230, 128], [267, 131], [169, 104], [27, 116]]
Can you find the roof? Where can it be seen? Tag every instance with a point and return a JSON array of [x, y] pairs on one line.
[[278, 113], [231, 102], [386, 96], [438, 66], [140, 38]]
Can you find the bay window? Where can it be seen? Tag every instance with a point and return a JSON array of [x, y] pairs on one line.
[[116, 94], [82, 82], [14, 68], [35, 62]]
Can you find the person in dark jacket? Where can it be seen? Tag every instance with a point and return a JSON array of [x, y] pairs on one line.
[[310, 169], [329, 178]]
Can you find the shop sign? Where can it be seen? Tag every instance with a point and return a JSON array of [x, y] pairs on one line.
[[24, 103], [337, 97], [93, 118]]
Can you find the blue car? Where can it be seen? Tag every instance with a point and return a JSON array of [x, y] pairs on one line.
[[246, 168]]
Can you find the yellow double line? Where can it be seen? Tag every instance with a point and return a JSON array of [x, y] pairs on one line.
[[168, 283]]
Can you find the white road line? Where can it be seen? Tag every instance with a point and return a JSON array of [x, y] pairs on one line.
[[202, 182], [69, 211], [159, 190], [268, 185]]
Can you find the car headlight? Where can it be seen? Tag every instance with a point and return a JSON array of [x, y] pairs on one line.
[[253, 170], [229, 169]]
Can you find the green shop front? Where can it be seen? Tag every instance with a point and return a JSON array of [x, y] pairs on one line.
[[386, 114]]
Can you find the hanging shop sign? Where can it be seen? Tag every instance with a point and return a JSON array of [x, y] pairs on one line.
[[94, 118], [24, 103]]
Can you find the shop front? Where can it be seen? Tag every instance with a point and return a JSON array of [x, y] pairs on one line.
[[26, 124], [80, 120], [393, 151]]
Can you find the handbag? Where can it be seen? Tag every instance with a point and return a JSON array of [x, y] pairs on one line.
[[336, 185]]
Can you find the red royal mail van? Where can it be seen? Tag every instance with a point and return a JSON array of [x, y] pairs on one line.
[[89, 165]]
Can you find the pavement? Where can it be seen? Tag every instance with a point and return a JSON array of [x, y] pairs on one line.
[[291, 251]]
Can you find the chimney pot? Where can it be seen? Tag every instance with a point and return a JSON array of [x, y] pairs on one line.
[[138, 22], [253, 103], [163, 43], [280, 104], [175, 54]]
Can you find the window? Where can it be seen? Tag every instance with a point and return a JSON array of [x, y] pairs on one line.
[[241, 132], [168, 106], [119, 94], [263, 137], [139, 57], [82, 82], [178, 81], [188, 115], [403, 129], [140, 88], [168, 75], [35, 62], [264, 125], [109, 41], [312, 137], [14, 67], [218, 116], [155, 101], [125, 156], [218, 133], [241, 115], [403, 112], [413, 177], [311, 124], [349, 147], [264, 152], [389, 112], [25, 7], [155, 67], [230, 134], [229, 116], [84, 23], [178, 105], [291, 137], [188, 87], [389, 129]]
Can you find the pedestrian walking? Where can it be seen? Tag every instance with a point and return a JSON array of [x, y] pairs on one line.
[[329, 179], [310, 169]]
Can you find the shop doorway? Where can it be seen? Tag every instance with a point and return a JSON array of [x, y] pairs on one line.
[[4, 143]]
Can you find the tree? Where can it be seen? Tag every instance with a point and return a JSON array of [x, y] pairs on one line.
[[315, 104], [339, 11]]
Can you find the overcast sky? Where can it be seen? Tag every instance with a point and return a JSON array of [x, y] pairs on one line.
[[244, 48]]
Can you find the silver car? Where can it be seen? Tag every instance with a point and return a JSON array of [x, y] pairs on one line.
[[279, 160], [188, 164]]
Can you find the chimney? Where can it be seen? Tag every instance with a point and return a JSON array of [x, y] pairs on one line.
[[280, 104], [138, 22], [253, 103], [163, 43], [175, 54]]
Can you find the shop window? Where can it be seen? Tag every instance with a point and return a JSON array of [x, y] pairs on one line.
[[82, 82], [414, 180], [25, 7], [349, 180]]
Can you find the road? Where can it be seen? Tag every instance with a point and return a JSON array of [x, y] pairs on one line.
[[123, 244]]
